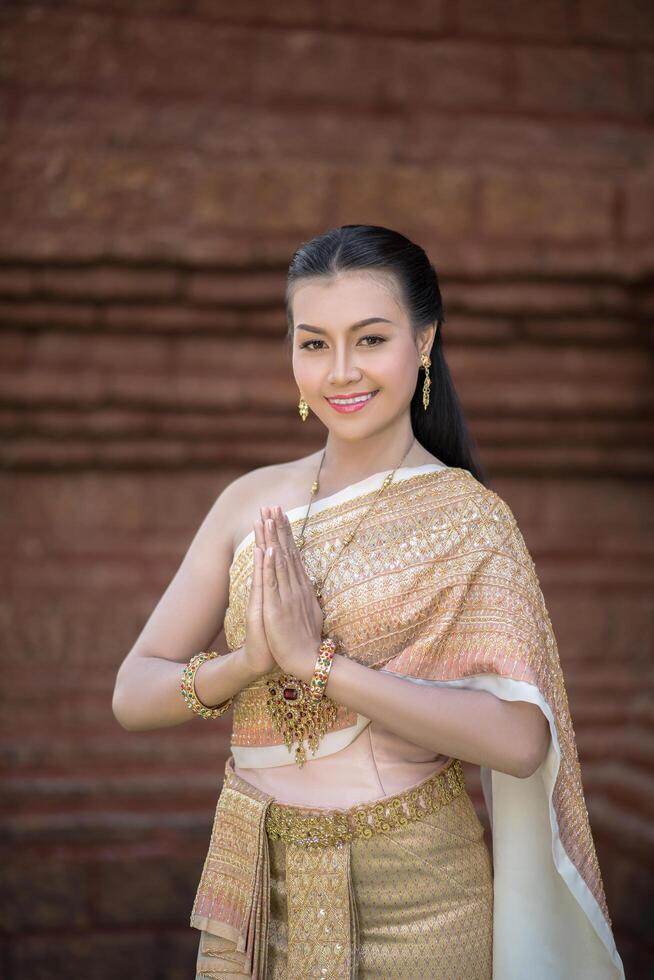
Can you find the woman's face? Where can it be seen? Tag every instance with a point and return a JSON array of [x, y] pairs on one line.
[[340, 357]]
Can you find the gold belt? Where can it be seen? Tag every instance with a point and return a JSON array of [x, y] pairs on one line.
[[306, 828]]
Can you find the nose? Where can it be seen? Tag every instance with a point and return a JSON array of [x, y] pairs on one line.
[[343, 369]]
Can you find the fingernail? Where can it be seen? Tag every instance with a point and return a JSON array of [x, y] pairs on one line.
[[269, 552]]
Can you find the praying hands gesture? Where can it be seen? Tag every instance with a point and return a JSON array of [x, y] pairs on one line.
[[284, 618]]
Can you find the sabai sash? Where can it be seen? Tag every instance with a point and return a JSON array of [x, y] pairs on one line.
[[438, 587]]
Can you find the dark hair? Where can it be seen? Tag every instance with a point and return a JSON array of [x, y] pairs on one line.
[[442, 428]]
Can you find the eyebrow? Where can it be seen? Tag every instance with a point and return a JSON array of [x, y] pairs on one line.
[[354, 326]]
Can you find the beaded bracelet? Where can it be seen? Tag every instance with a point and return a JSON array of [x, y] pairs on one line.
[[321, 670], [188, 687]]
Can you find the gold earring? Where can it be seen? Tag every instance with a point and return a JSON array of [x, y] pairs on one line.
[[425, 360], [303, 408]]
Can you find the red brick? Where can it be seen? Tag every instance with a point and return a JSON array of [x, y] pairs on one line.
[[236, 290], [58, 351], [47, 121], [638, 213], [449, 74], [643, 63], [404, 195], [109, 283], [145, 7], [542, 205], [92, 956], [64, 47], [630, 23], [566, 81], [171, 55], [44, 894], [600, 330], [548, 20], [425, 16], [16, 282], [436, 73], [562, 299], [47, 314], [15, 349], [146, 892]]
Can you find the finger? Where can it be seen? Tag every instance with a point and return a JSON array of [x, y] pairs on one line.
[[295, 567], [265, 517], [259, 537], [256, 591], [281, 563], [269, 576], [298, 567], [284, 531]]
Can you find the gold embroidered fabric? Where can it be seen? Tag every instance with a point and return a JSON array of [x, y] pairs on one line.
[[440, 586], [411, 897], [423, 903], [231, 902], [321, 917]]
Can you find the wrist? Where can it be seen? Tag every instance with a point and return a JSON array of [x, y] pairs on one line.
[[248, 673], [301, 663]]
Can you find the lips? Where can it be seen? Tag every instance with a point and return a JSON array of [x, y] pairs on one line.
[[353, 406]]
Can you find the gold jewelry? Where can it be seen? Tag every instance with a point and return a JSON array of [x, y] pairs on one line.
[[294, 712], [303, 409], [188, 687], [304, 828], [297, 716], [388, 479], [427, 383], [321, 670]]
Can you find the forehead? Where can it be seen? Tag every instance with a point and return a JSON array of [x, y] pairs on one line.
[[349, 296]]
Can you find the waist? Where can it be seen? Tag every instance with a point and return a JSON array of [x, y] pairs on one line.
[[324, 827]]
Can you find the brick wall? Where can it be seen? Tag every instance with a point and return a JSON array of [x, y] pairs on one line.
[[159, 163]]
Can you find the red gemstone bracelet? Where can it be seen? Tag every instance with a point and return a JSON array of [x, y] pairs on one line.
[[322, 668]]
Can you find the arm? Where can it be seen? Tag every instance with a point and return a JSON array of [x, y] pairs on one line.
[[186, 620], [475, 726], [147, 693]]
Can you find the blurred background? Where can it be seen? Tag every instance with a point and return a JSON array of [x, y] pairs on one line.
[[160, 161]]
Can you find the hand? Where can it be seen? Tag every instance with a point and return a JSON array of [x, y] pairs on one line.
[[293, 619], [256, 653]]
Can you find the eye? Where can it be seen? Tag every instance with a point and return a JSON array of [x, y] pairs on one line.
[[307, 343]]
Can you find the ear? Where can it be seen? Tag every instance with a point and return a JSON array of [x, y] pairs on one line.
[[425, 338]]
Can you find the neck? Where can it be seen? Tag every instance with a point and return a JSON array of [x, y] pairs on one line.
[[353, 460]]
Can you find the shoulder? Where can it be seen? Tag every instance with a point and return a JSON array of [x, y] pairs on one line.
[[490, 522], [266, 480], [481, 506], [278, 483]]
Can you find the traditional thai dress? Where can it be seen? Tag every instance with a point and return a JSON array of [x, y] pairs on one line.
[[369, 861]]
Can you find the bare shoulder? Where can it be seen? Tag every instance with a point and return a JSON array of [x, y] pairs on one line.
[[285, 484]]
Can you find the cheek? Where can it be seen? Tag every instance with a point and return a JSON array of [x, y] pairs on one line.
[[307, 374], [392, 367]]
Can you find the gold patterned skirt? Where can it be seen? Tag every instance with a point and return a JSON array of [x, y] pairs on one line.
[[401, 887]]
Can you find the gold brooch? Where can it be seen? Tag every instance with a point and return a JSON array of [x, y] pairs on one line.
[[296, 715]]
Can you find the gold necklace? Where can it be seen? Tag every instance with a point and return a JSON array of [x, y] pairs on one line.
[[388, 479], [294, 714]]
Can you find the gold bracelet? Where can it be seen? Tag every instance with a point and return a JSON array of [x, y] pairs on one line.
[[188, 687], [321, 670]]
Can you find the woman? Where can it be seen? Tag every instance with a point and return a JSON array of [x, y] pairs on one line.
[[385, 621]]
